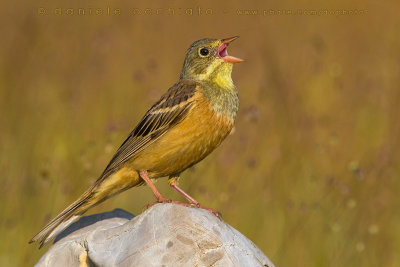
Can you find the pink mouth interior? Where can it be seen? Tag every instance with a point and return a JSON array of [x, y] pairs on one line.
[[222, 52]]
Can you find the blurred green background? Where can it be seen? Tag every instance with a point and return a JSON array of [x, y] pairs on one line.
[[311, 172]]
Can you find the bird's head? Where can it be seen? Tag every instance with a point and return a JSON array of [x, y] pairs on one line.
[[208, 60]]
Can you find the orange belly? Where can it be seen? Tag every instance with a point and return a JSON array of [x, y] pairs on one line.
[[185, 144]]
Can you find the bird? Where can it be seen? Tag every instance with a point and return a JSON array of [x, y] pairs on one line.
[[185, 125]]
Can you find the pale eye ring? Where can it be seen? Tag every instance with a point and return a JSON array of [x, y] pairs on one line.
[[204, 52]]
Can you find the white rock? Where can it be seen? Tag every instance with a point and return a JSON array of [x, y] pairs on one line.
[[164, 235]]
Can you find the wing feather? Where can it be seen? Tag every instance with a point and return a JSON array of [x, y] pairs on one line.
[[166, 113]]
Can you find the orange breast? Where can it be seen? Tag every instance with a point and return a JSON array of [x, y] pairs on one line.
[[186, 143]]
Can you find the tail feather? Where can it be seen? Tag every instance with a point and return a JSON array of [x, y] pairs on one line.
[[103, 189], [62, 221]]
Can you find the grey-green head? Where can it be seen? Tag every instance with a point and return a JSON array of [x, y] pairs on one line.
[[208, 60]]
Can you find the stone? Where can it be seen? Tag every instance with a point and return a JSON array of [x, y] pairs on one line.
[[163, 235]]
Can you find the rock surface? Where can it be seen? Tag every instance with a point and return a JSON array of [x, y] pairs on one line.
[[164, 235]]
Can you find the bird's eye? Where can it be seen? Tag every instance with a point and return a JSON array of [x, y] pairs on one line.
[[204, 52]]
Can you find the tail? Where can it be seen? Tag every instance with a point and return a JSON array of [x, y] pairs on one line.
[[63, 220], [103, 189]]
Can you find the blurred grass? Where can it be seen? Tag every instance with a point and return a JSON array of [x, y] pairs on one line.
[[311, 171]]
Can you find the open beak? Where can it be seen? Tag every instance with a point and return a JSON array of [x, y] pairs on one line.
[[223, 53]]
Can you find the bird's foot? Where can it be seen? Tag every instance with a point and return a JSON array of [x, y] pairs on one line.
[[160, 199], [165, 200], [189, 205]]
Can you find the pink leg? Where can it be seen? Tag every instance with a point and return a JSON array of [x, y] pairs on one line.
[[174, 184], [153, 188], [160, 198]]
